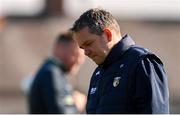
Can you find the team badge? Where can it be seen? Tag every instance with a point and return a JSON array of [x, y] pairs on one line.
[[116, 81]]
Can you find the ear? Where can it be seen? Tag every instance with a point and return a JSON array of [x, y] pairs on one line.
[[108, 33]]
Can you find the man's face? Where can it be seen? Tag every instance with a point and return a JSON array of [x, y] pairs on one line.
[[95, 46]]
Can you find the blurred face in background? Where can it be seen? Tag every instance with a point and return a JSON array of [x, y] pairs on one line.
[[69, 53]]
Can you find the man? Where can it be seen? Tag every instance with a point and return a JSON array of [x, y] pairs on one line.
[[129, 78], [50, 93]]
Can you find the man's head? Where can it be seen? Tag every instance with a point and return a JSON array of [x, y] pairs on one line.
[[67, 51], [96, 31]]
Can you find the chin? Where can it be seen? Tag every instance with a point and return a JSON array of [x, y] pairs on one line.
[[97, 62], [95, 59]]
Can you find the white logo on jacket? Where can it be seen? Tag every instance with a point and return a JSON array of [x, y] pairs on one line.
[[97, 73], [93, 90]]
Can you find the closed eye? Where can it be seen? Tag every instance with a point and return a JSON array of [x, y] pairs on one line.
[[86, 44], [81, 47]]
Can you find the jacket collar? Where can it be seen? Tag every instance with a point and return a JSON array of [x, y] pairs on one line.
[[118, 50]]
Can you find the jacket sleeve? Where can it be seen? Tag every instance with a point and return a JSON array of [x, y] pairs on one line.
[[48, 93], [151, 89]]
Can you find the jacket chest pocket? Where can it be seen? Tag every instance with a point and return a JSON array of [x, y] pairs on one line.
[[113, 90]]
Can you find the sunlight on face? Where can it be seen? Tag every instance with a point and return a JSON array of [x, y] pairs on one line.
[[95, 46]]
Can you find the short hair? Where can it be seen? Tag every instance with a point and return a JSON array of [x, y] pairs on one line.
[[65, 37], [97, 20]]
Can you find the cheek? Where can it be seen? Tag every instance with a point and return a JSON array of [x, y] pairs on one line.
[[98, 50], [71, 60]]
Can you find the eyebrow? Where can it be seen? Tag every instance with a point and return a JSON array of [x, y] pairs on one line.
[[86, 42]]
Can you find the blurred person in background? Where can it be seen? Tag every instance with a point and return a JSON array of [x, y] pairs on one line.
[[50, 93], [129, 78]]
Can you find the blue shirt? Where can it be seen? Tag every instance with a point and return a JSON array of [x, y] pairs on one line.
[[50, 92]]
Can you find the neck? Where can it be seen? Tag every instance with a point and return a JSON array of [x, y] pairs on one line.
[[115, 40]]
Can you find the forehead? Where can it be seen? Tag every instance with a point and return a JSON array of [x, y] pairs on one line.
[[84, 35]]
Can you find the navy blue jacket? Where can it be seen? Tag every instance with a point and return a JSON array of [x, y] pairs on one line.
[[50, 93], [130, 80]]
